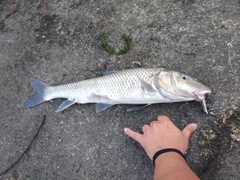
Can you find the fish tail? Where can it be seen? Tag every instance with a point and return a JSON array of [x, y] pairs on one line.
[[37, 98]]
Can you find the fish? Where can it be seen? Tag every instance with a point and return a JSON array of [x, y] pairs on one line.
[[140, 86]]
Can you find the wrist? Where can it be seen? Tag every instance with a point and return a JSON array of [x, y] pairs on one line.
[[170, 160], [170, 151]]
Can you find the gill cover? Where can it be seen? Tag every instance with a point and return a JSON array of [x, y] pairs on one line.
[[172, 84]]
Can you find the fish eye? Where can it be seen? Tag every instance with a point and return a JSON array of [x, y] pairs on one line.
[[185, 77]]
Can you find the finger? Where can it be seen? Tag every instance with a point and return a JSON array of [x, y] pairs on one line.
[[165, 121], [163, 118], [145, 127], [189, 129], [152, 123], [136, 136]]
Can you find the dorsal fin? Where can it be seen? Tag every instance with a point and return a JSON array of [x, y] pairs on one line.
[[108, 72]]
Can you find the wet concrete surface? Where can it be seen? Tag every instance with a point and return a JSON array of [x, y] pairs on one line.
[[58, 42]]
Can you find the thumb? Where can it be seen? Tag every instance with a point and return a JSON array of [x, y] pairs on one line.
[[136, 136], [189, 129]]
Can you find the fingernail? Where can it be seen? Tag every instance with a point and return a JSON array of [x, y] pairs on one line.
[[194, 126], [125, 130]]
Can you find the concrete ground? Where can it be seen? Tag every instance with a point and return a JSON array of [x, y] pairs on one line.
[[58, 42]]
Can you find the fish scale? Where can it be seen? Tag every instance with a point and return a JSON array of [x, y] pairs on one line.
[[126, 84], [120, 87]]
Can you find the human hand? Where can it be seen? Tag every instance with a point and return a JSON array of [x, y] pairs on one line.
[[162, 134]]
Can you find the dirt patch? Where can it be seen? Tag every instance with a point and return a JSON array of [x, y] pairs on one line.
[[221, 140]]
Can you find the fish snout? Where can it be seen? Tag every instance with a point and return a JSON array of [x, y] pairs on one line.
[[200, 94]]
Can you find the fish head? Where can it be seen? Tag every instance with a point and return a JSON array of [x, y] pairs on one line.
[[182, 85]]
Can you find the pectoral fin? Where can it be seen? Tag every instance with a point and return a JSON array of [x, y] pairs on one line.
[[147, 88], [65, 105], [136, 108], [101, 107]]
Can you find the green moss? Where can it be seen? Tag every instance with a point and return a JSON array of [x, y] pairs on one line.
[[111, 50]]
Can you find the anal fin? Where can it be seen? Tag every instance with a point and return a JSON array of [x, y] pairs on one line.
[[101, 107], [65, 104]]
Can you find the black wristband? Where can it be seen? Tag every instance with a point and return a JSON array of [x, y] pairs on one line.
[[167, 150]]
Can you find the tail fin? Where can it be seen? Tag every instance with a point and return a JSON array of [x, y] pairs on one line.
[[37, 98]]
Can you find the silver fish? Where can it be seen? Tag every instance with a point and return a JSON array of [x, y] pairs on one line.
[[132, 86]]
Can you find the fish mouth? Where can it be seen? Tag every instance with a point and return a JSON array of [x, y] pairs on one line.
[[200, 94]]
